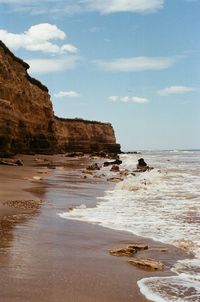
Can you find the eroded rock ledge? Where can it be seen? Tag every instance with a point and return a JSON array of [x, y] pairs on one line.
[[27, 121]]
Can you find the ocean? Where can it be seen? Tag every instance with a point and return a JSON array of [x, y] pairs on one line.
[[162, 204]]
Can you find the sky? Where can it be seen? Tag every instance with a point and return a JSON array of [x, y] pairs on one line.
[[134, 63]]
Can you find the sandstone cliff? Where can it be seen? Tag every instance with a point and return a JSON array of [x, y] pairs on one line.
[[27, 121], [86, 136]]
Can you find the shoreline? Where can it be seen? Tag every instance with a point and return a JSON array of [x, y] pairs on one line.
[[77, 252]]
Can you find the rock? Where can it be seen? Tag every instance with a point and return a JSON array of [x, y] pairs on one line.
[[38, 160], [126, 251], [149, 264], [133, 152], [115, 162], [93, 167], [164, 250], [87, 172], [101, 154], [7, 163], [115, 179], [142, 166], [74, 154], [114, 168], [113, 156], [124, 173], [138, 246], [19, 162], [37, 178], [141, 163]]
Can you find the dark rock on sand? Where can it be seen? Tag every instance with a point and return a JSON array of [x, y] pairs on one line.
[[149, 264], [138, 246], [19, 162], [115, 162], [93, 167], [126, 251]]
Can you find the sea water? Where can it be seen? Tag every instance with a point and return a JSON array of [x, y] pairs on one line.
[[162, 204]]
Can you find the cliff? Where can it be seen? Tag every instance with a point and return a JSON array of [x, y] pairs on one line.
[[86, 136], [27, 121]]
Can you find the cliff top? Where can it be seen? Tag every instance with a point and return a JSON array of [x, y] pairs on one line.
[[77, 119], [25, 65]]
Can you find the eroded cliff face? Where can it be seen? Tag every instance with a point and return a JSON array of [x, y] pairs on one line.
[[27, 121], [26, 114], [85, 136]]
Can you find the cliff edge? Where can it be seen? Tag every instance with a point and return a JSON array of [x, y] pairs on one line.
[[27, 121]]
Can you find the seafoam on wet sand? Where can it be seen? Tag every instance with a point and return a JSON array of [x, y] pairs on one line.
[[162, 204]]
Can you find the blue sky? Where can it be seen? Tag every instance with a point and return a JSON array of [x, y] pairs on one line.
[[134, 63]]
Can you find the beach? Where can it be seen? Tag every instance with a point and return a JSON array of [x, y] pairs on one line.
[[44, 257]]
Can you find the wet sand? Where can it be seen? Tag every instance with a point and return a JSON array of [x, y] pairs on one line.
[[46, 258]]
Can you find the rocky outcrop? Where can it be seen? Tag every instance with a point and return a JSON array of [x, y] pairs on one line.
[[27, 121]]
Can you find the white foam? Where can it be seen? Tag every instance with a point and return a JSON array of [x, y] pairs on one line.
[[160, 204], [170, 289]]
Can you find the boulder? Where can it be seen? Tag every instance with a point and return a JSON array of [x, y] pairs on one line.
[[149, 264], [142, 166]]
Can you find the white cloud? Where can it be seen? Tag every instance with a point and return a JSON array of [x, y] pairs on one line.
[[125, 99], [80, 6], [42, 66], [175, 90], [115, 6], [37, 38], [128, 99], [135, 64], [113, 98], [71, 94], [139, 100]]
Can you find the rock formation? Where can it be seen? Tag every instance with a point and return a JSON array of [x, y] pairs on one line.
[[86, 136], [27, 121]]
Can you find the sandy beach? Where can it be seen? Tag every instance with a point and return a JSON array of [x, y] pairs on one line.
[[46, 258]]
